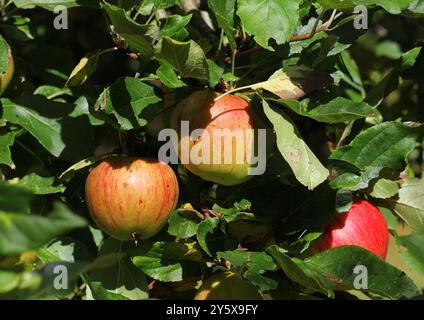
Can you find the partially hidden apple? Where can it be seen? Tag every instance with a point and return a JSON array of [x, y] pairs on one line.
[[227, 286], [225, 151], [364, 226], [130, 197], [7, 75]]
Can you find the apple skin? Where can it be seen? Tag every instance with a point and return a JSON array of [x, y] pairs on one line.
[[227, 286], [129, 196], [230, 112], [6, 77], [364, 226]]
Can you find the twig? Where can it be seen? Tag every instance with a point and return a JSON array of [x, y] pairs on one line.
[[346, 133], [233, 66]]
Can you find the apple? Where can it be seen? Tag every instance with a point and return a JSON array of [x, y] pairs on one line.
[[229, 155], [7, 75], [227, 286], [364, 226], [130, 197]]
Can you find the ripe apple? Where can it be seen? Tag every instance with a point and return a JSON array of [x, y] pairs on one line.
[[6, 76], [131, 197], [227, 286], [230, 153], [364, 226]]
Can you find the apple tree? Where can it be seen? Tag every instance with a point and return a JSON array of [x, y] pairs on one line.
[[114, 186]]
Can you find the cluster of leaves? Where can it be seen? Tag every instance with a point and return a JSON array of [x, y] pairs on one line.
[[345, 105]]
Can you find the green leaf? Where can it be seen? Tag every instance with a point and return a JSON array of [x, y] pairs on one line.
[[393, 6], [63, 249], [187, 58], [41, 185], [266, 19], [384, 145], [410, 206], [20, 233], [164, 261], [14, 198], [128, 100], [305, 165], [52, 92], [414, 251], [392, 80], [52, 124], [252, 265], [297, 271], [336, 266], [122, 277], [98, 292], [225, 12], [384, 188], [337, 110], [236, 212], [6, 141], [85, 68], [215, 73], [169, 77], [180, 226], [83, 164], [206, 227], [4, 55], [52, 4], [173, 25], [139, 37]]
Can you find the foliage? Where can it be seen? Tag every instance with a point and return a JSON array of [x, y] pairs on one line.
[[345, 104]]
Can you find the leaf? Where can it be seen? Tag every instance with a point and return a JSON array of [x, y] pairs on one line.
[[394, 7], [163, 261], [52, 4], [98, 292], [121, 278], [173, 25], [83, 164], [180, 226], [18, 29], [41, 185], [225, 12], [204, 228], [410, 206], [128, 100], [297, 271], [392, 80], [337, 267], [51, 123], [350, 181], [337, 110], [139, 37], [252, 265], [14, 198], [236, 212], [20, 233], [6, 141], [187, 58], [413, 254], [266, 19], [294, 82], [168, 77], [4, 55], [305, 165], [85, 68], [384, 145], [384, 188], [64, 249], [215, 73]]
